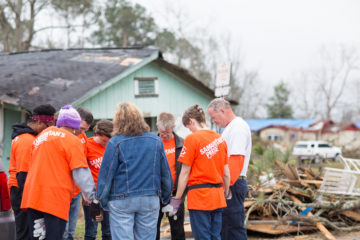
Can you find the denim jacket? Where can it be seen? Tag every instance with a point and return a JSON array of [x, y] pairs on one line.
[[134, 166]]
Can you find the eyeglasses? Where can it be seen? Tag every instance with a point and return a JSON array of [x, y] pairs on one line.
[[166, 132]]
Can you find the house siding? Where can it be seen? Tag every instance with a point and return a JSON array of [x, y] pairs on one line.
[[10, 117], [175, 95]]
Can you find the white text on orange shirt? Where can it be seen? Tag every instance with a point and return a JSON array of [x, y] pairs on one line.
[[96, 162], [212, 148]]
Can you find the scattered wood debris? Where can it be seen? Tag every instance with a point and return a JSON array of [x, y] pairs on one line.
[[294, 204]]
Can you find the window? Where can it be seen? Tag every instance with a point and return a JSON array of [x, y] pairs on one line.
[[292, 137], [274, 137], [146, 87], [301, 146], [151, 121], [324, 145]]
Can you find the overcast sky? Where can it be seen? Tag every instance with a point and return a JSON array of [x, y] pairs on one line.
[[280, 38]]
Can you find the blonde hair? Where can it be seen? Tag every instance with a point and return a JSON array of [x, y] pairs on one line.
[[165, 120], [129, 121], [195, 112]]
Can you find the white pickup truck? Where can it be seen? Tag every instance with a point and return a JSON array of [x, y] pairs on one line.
[[315, 148]]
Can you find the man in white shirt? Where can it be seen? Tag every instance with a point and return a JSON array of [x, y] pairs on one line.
[[237, 135]]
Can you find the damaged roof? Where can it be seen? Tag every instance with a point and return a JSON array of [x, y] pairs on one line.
[[60, 77]]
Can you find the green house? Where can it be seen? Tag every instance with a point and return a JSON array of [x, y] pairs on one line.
[[97, 79]]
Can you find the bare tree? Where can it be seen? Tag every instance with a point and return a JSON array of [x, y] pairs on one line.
[[195, 48], [333, 76], [245, 90], [305, 98], [17, 19], [321, 92], [244, 82], [351, 107]]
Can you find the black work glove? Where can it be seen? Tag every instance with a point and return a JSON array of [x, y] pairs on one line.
[[94, 209]]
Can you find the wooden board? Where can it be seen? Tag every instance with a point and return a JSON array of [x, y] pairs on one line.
[[292, 174], [352, 214], [304, 182], [281, 229]]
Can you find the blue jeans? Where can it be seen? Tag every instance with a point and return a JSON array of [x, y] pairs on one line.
[[206, 225], [134, 217], [73, 215], [91, 226], [234, 214]]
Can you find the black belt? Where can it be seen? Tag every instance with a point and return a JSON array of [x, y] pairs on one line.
[[205, 185]]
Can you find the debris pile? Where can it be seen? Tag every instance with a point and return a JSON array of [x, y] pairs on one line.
[[288, 201]]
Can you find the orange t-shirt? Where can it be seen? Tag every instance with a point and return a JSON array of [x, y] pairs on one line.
[[21, 148], [95, 153], [206, 152], [169, 147], [49, 185]]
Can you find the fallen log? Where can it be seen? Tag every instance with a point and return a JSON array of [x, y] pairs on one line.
[[327, 222], [336, 206]]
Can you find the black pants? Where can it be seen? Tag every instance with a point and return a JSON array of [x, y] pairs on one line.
[[55, 227], [176, 226], [22, 229]]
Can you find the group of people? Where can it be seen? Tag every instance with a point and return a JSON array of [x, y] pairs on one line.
[[127, 176]]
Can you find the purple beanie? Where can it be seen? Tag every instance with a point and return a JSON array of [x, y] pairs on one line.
[[68, 117]]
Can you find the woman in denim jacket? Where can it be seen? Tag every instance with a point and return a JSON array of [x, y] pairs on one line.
[[133, 175]]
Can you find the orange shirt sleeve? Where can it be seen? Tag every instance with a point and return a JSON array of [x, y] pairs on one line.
[[12, 169], [24, 151], [236, 164], [188, 152]]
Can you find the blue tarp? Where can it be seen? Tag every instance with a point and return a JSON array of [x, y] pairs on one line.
[[257, 124]]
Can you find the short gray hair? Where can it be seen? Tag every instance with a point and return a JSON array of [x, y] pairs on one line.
[[218, 103], [165, 120]]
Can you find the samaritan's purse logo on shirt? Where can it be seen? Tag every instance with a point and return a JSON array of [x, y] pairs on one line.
[[96, 162], [212, 148], [169, 151], [44, 136]]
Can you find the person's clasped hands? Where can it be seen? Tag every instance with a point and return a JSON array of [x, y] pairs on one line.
[[172, 208], [96, 213]]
